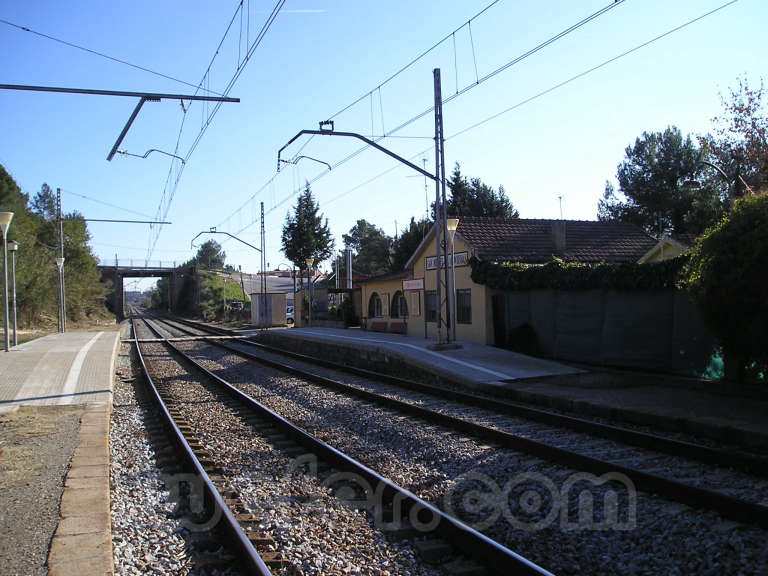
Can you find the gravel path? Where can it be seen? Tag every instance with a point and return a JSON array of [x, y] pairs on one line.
[[433, 462], [36, 446]]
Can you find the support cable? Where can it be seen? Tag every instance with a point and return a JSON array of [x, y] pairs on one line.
[[101, 54], [477, 124]]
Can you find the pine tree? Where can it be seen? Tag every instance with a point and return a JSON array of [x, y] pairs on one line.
[[304, 233]]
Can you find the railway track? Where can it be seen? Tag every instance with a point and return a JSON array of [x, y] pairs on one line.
[[434, 534], [695, 475], [437, 492], [214, 498], [720, 455]]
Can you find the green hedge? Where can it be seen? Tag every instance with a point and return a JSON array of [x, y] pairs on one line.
[[560, 275]]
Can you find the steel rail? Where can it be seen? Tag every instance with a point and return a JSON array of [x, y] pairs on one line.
[[238, 540], [490, 553], [727, 506], [646, 440]]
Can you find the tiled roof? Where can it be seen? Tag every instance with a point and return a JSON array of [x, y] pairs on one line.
[[534, 241], [400, 275]]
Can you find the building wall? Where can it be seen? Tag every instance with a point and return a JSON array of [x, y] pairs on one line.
[[386, 290], [479, 330], [664, 250], [653, 329]]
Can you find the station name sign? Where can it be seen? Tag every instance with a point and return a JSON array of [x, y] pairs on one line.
[[460, 259], [415, 284]]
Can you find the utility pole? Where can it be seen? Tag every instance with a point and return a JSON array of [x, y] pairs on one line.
[[263, 274], [441, 232], [327, 129], [60, 265], [242, 284]]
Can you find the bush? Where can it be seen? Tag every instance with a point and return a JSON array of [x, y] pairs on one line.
[[725, 277], [348, 313], [559, 275]]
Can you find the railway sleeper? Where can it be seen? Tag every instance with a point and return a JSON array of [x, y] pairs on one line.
[[260, 540], [464, 567], [274, 559], [433, 550]]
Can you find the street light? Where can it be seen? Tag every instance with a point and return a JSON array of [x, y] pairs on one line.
[[13, 246], [721, 172], [292, 270], [5, 222], [452, 224], [62, 308], [310, 261]]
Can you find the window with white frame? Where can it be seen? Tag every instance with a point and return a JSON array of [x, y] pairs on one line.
[[374, 306], [399, 306]]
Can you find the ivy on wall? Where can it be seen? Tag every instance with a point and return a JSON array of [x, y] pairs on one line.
[[560, 275]]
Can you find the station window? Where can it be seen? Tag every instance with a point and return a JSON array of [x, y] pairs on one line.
[[464, 306], [399, 306], [430, 305], [374, 306]]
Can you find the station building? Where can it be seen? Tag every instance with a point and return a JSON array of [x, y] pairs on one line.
[[406, 302]]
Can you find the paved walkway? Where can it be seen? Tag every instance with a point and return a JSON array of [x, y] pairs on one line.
[[70, 368], [663, 402], [61, 369]]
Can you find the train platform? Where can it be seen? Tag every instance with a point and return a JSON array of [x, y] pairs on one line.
[[55, 405], [661, 402]]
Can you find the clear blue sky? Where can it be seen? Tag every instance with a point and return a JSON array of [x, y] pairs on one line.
[[319, 57]]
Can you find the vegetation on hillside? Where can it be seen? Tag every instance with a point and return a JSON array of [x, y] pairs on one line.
[[34, 227]]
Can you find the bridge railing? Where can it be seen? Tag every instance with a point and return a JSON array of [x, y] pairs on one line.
[[136, 263]]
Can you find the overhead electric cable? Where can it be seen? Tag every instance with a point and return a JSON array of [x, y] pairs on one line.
[[485, 78], [101, 54], [478, 81], [592, 69], [207, 121], [104, 203], [509, 109], [408, 65]]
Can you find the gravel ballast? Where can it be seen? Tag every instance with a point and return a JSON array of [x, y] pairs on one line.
[[667, 537]]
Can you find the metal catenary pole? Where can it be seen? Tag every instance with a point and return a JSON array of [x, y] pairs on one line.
[[62, 299], [263, 274], [448, 295], [438, 211]]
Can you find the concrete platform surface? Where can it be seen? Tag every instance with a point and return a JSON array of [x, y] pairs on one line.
[[69, 368], [474, 362], [59, 370], [660, 401]]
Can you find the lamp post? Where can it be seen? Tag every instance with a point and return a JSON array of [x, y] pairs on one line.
[[451, 225], [292, 270], [721, 172], [13, 246], [310, 261], [62, 309], [5, 222]]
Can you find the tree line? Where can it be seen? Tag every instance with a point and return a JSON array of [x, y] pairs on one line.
[[208, 262], [34, 227], [670, 184]]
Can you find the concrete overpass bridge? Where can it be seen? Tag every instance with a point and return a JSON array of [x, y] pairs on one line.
[[117, 272]]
